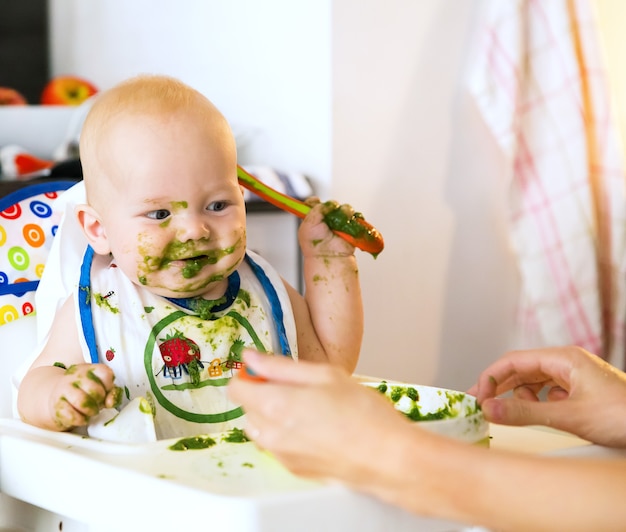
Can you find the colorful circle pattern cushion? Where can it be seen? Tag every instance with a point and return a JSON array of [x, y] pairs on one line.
[[28, 223]]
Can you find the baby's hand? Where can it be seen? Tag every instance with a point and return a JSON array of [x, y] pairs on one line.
[[81, 392], [316, 239]]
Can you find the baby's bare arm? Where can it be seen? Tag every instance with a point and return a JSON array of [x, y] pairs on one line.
[[60, 391], [330, 317]]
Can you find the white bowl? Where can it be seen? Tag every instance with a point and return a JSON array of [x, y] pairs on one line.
[[447, 412]]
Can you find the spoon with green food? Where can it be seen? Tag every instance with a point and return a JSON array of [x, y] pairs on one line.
[[354, 229]]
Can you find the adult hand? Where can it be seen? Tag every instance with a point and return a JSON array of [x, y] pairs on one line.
[[81, 392], [585, 395], [316, 419]]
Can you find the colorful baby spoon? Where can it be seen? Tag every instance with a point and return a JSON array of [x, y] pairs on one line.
[[354, 229]]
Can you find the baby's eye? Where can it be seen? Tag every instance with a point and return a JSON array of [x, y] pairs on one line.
[[217, 206], [159, 214]]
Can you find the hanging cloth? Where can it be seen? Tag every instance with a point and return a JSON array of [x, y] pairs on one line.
[[540, 84]]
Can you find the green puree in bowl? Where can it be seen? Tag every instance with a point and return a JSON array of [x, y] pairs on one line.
[[396, 393]]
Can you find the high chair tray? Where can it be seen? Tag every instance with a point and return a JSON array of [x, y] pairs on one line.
[[226, 487]]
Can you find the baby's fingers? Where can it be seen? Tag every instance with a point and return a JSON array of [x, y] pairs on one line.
[[85, 396], [84, 381], [312, 201], [86, 387], [102, 375], [113, 399], [66, 416]]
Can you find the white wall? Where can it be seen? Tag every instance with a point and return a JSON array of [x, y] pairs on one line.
[[266, 65], [367, 97], [411, 152]]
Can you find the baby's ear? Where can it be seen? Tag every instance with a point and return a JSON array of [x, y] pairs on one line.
[[92, 227]]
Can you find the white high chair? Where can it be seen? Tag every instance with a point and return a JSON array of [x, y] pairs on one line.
[[17, 340]]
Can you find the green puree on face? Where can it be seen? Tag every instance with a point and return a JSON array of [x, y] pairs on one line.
[[182, 250], [192, 267]]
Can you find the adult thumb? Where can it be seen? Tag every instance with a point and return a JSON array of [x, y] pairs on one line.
[[512, 411]]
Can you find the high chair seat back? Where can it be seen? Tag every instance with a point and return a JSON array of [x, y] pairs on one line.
[[28, 224]]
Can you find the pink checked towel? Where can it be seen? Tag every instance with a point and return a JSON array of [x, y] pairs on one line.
[[540, 84]]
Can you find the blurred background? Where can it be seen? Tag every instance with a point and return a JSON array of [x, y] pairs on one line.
[[371, 100]]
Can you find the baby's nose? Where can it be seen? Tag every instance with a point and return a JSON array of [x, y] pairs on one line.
[[193, 228]]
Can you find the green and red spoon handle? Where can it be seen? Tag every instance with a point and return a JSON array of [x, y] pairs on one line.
[[354, 229]]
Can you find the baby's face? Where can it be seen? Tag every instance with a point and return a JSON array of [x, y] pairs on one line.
[[173, 214]]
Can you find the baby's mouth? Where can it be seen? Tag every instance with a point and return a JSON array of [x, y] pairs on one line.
[[191, 259], [181, 260], [192, 265]]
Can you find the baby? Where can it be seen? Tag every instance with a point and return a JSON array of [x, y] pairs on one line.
[[168, 293]]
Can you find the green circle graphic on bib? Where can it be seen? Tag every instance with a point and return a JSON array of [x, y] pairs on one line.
[[157, 391]]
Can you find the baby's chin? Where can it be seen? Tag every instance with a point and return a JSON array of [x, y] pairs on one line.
[[214, 290], [206, 292], [209, 282]]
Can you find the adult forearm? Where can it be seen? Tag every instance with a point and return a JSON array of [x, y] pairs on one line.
[[504, 491]]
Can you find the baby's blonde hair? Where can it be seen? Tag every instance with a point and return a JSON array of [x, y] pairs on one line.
[[153, 95]]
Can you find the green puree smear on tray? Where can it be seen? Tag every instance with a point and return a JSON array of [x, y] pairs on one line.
[[193, 443], [235, 436], [204, 442], [395, 393]]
